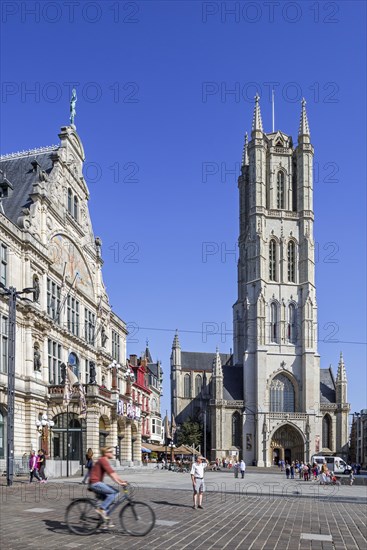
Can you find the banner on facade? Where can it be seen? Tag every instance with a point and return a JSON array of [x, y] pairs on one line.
[[128, 409], [249, 442]]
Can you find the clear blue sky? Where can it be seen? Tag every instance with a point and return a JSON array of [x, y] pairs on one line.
[[160, 128]]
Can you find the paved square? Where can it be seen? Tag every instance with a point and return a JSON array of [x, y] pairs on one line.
[[228, 521]]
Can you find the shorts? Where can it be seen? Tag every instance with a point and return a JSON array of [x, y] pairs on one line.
[[199, 486]]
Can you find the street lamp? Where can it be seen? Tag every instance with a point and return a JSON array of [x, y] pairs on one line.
[[171, 446], [43, 426], [13, 294]]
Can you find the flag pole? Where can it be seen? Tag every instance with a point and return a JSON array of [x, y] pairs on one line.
[[272, 108]]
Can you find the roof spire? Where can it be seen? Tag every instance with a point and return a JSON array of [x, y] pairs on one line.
[[304, 129], [256, 119], [245, 160]]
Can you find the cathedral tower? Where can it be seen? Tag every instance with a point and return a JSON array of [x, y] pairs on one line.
[[275, 316]]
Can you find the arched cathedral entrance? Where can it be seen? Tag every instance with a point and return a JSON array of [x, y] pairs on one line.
[[287, 444]]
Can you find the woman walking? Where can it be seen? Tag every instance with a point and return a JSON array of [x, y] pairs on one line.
[[88, 464], [33, 472]]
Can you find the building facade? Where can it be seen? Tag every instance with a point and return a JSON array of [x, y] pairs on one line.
[[289, 407], [47, 243]]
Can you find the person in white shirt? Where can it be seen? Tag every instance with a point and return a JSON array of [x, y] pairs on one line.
[[242, 468], [197, 478]]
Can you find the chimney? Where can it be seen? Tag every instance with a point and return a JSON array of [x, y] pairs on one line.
[[133, 360]]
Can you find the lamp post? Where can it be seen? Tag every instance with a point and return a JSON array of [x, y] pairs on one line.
[[13, 294], [44, 429]]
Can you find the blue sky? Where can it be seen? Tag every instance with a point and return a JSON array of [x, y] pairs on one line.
[[165, 94]]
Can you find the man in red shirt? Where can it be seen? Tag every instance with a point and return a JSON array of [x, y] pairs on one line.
[[100, 468]]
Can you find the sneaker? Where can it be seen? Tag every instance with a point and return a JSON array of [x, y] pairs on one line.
[[109, 523], [201, 508], [102, 513]]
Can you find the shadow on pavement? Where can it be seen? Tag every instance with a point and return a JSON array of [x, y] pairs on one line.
[[56, 526]]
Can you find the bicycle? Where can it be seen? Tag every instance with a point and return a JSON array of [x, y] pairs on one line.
[[136, 518]]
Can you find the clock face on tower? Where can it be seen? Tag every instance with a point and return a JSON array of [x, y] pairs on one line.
[[65, 256]]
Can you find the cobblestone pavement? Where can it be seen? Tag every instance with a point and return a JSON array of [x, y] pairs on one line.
[[32, 516]]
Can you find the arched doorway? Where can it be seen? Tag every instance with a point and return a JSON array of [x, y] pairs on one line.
[[287, 444]]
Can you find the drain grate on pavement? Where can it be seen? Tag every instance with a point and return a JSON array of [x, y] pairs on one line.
[[165, 522], [314, 536]]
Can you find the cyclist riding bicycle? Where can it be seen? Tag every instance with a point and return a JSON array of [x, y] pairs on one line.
[[100, 468]]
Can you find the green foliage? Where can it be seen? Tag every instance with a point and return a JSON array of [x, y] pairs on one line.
[[190, 433]]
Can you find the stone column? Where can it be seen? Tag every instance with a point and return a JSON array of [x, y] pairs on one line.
[[126, 443], [93, 429]]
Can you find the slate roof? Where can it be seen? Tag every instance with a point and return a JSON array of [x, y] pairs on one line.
[[154, 369], [327, 386], [192, 360], [20, 173]]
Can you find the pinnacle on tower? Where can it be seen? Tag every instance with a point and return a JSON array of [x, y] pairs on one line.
[[304, 129], [256, 119], [217, 364], [176, 342], [341, 375], [245, 160]]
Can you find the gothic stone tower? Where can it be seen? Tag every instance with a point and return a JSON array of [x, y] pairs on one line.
[[275, 316]]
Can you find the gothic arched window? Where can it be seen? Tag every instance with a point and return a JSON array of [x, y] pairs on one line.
[[70, 201], [291, 262], [236, 430], [272, 259], [292, 324], [187, 386], [282, 394], [326, 432], [198, 384], [76, 208], [273, 322], [280, 190]]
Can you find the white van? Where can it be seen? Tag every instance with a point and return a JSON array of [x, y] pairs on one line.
[[334, 463]]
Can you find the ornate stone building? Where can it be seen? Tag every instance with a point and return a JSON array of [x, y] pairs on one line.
[[288, 407], [47, 242]]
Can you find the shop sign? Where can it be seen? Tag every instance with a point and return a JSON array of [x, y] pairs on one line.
[[129, 410]]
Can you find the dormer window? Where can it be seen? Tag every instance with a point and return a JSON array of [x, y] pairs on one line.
[[6, 187]]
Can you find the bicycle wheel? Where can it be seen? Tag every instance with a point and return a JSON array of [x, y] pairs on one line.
[[137, 518], [81, 517]]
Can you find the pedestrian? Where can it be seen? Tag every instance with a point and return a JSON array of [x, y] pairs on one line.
[[100, 468], [41, 461], [88, 464], [163, 463], [305, 472], [287, 470], [197, 478], [351, 478], [242, 468], [292, 470], [236, 468], [33, 472]]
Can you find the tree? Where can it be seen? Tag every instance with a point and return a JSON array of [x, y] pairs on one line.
[[190, 433]]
